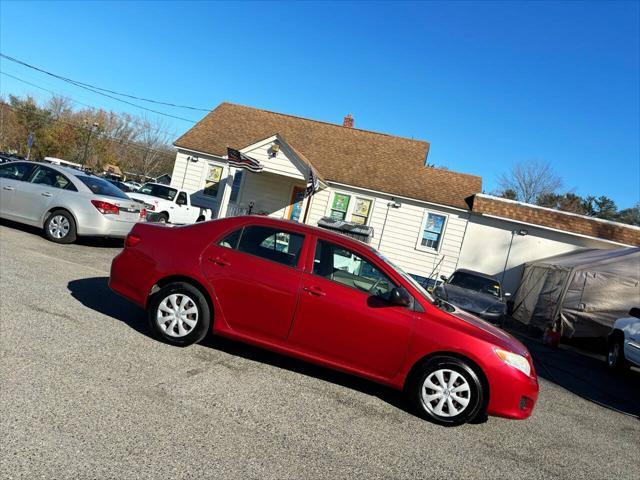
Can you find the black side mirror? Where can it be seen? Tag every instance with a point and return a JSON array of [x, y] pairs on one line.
[[399, 296], [634, 312], [444, 278]]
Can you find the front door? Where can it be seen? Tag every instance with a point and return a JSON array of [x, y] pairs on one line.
[[35, 197], [295, 205], [255, 276], [13, 176], [344, 317], [181, 211]]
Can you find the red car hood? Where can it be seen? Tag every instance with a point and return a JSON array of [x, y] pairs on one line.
[[501, 338]]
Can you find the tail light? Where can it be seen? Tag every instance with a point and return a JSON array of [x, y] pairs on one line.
[[131, 240], [143, 213], [105, 207]]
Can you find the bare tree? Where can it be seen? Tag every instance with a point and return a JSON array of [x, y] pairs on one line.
[[59, 106], [529, 180], [154, 151]]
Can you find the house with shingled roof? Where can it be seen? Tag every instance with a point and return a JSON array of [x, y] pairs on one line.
[[416, 214]]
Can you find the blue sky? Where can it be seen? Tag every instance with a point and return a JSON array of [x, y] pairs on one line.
[[488, 84]]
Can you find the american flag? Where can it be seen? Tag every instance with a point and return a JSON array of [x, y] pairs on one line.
[[312, 183], [240, 160]]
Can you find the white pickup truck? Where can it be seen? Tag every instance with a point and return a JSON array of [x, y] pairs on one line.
[[169, 205]]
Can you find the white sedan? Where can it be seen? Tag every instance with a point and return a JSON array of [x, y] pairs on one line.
[[624, 342]]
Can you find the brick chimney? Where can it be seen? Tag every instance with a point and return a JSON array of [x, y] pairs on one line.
[[348, 121]]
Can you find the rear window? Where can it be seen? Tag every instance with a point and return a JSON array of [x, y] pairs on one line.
[[160, 191], [100, 186]]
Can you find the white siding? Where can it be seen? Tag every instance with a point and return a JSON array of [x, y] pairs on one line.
[[402, 231], [487, 242], [283, 163], [195, 172]]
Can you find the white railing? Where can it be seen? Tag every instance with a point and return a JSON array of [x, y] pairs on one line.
[[234, 210]]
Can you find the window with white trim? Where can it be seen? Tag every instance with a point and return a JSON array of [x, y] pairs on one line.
[[212, 180], [349, 207], [432, 231]]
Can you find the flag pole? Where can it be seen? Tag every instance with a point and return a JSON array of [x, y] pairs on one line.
[[307, 208]]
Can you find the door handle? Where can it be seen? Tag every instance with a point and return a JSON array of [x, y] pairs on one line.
[[46, 194], [8, 188], [220, 261], [317, 291]]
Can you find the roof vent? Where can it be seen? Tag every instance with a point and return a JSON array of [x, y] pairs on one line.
[[348, 121]]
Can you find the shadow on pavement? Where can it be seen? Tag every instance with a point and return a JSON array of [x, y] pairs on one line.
[[95, 294], [583, 372], [99, 242]]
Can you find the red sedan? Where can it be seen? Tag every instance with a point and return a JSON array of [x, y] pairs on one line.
[[322, 297]]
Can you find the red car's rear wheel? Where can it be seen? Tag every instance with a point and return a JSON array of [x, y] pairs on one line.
[[179, 314]]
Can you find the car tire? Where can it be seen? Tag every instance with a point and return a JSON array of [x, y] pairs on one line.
[[179, 314], [60, 227], [447, 391], [163, 217], [615, 353]]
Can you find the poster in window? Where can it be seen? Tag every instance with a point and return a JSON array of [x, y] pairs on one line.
[[358, 219], [429, 236], [215, 173], [337, 215], [340, 202], [434, 223], [212, 182], [362, 207]]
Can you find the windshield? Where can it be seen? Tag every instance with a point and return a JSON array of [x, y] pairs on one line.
[[100, 186], [160, 191], [476, 283], [406, 276]]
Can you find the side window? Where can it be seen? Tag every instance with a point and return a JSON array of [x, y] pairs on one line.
[[16, 171], [182, 198], [231, 240], [351, 208], [339, 206], [432, 230], [272, 244], [212, 181], [343, 266], [50, 177], [361, 210]]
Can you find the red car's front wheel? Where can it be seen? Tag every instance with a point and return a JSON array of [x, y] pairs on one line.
[[447, 391]]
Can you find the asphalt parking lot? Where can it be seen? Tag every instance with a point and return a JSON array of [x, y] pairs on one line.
[[86, 393]]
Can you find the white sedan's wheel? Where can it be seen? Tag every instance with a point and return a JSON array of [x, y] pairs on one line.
[[445, 393], [59, 226], [177, 315]]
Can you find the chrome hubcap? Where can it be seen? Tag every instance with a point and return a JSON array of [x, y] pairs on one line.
[[177, 315], [445, 393], [59, 226]]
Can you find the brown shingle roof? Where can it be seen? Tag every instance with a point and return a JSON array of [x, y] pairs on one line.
[[547, 217], [375, 161]]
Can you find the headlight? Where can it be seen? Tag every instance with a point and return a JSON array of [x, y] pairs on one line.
[[514, 360], [148, 206], [496, 308]]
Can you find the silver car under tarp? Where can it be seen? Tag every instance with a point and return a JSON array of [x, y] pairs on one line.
[[583, 292]]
